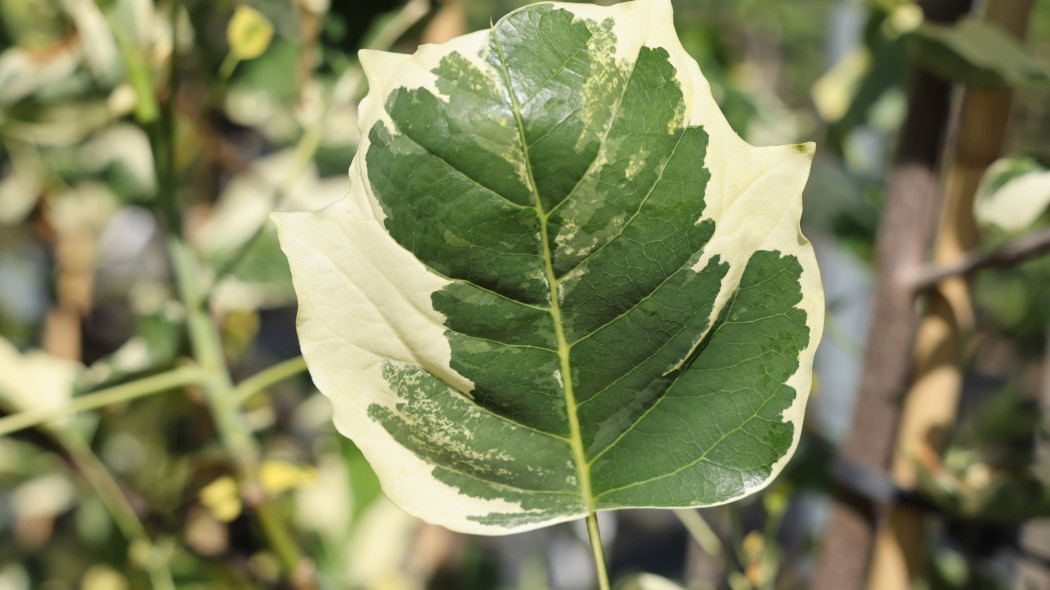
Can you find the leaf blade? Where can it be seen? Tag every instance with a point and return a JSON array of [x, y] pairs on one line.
[[536, 252]]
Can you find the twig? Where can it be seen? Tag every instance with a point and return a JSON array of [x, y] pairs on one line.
[[1012, 252], [141, 549], [260, 381], [105, 397], [700, 531]]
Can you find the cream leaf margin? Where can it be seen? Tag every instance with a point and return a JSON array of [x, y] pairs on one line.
[[363, 298]]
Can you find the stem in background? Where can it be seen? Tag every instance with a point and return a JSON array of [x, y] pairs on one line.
[[1012, 252], [700, 530], [223, 401], [229, 64], [104, 397], [207, 349], [260, 381], [141, 549], [205, 341], [599, 552]]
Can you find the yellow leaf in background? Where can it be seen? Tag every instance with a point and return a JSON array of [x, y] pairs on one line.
[[249, 33], [834, 91], [221, 498], [776, 500], [103, 577], [280, 476], [905, 18]]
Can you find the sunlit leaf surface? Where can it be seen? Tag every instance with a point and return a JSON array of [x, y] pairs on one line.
[[560, 282]]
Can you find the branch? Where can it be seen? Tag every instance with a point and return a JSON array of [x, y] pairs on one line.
[[1012, 252], [260, 381], [112, 395]]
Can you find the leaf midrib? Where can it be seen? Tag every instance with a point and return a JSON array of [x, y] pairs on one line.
[[576, 439]]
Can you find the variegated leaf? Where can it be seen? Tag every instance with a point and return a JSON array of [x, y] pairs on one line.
[[560, 282]]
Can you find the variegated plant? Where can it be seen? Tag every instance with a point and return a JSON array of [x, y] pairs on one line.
[[560, 282]]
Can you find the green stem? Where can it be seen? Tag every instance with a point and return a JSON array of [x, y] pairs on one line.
[[207, 350], [272, 525], [260, 381], [142, 550], [204, 337], [223, 400], [104, 397], [399, 24], [229, 64], [700, 530], [599, 552]]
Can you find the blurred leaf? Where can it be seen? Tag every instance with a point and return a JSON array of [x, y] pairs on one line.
[[646, 582], [1006, 497], [975, 52], [63, 124], [35, 379], [222, 498], [1018, 299], [20, 187], [260, 276], [967, 487], [44, 496], [269, 73], [280, 476], [98, 48], [103, 577], [249, 198], [951, 567], [1004, 426], [325, 507], [249, 33], [881, 79], [124, 150], [381, 544], [363, 480], [834, 91], [1014, 192], [23, 73]]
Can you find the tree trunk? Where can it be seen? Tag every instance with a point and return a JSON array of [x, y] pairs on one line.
[[904, 233], [931, 404]]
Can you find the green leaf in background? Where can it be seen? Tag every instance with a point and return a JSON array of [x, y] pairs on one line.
[[560, 282], [975, 52], [1013, 193]]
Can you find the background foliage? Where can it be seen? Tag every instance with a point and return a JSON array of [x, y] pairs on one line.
[[142, 146]]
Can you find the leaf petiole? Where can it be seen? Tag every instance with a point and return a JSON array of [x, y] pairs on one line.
[[599, 552]]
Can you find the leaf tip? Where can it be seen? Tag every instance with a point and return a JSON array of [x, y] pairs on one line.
[[277, 217], [806, 148], [378, 65]]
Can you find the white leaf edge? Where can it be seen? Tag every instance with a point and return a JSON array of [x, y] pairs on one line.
[[1017, 204], [395, 319]]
